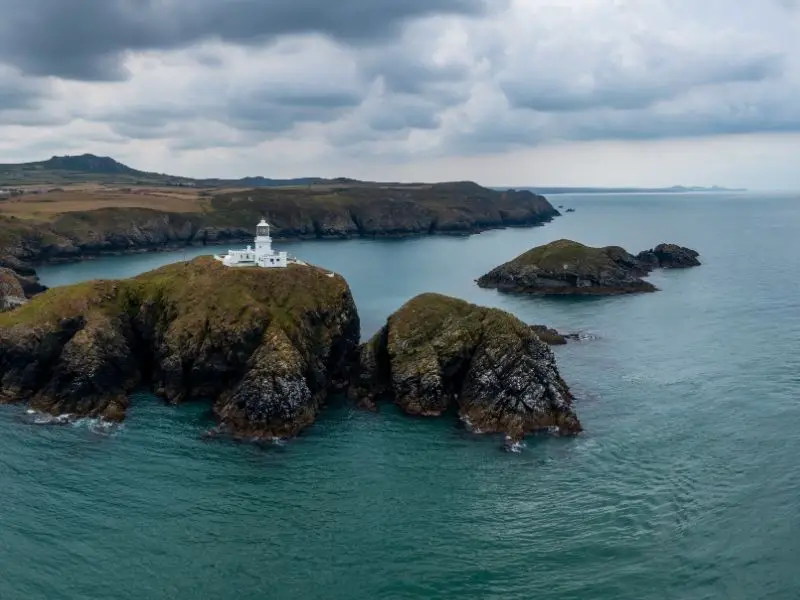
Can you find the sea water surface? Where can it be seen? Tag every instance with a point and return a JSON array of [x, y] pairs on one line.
[[685, 484]]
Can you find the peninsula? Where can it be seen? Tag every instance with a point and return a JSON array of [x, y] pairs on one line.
[[70, 208]]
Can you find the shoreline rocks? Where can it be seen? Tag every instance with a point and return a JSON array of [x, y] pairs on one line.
[[565, 267]]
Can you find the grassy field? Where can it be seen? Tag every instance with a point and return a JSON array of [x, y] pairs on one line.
[[80, 198]]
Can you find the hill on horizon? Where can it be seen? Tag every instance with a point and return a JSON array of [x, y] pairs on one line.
[[90, 168], [86, 168]]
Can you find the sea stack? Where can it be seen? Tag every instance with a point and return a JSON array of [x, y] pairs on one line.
[[439, 353], [565, 267], [265, 345], [669, 256]]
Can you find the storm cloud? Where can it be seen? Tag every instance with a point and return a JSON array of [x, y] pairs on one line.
[[87, 39], [283, 86]]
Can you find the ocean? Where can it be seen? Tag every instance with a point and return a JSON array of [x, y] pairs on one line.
[[684, 485]]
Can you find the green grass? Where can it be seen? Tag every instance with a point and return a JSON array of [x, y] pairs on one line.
[[195, 298]]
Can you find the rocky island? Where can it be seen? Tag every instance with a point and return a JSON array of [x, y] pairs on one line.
[[268, 346], [439, 353], [265, 345], [565, 267]]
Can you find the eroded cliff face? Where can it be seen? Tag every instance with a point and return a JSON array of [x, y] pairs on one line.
[[438, 353], [266, 345]]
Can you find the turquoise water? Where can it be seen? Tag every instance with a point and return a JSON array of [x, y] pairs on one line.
[[685, 484]]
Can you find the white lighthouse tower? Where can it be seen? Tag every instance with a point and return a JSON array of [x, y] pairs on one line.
[[261, 256]]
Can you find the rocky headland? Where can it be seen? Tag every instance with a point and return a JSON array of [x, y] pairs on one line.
[[267, 346], [565, 267], [438, 354], [346, 210]]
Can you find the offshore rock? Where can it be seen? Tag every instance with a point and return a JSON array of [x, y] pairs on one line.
[[565, 267], [669, 256], [265, 345], [438, 353]]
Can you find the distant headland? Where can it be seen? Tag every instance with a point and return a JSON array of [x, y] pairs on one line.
[[675, 189]]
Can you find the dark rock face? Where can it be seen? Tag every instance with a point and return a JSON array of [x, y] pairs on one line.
[[669, 256], [438, 353], [549, 336], [266, 346], [565, 267]]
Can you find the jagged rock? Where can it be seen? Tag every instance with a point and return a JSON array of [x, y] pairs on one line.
[[15, 289], [565, 267], [11, 292], [550, 336], [266, 345], [438, 353], [669, 256]]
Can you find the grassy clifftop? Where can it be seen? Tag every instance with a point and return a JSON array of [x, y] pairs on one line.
[[68, 224], [265, 344], [436, 353]]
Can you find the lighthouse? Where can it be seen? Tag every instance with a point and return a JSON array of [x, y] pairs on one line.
[[262, 255]]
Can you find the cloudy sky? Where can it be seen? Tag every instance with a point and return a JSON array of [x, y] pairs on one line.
[[504, 92]]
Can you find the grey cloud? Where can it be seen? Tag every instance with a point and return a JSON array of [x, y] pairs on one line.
[[272, 110], [613, 88], [86, 39], [19, 93]]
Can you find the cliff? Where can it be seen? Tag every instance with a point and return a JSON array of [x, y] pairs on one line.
[[341, 211], [565, 267], [266, 346], [438, 353]]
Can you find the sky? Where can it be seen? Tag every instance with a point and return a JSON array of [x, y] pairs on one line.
[[502, 92]]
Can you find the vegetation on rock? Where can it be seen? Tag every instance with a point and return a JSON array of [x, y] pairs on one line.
[[438, 353], [565, 267], [266, 345]]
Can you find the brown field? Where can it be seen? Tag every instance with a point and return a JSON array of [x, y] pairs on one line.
[[49, 203]]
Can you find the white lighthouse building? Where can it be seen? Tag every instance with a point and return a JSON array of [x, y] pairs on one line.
[[261, 256]]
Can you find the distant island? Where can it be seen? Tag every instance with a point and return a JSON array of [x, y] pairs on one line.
[[675, 189]]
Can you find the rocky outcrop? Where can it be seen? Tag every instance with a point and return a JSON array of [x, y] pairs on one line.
[[565, 267], [438, 353], [669, 256], [15, 289], [11, 292], [266, 346]]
